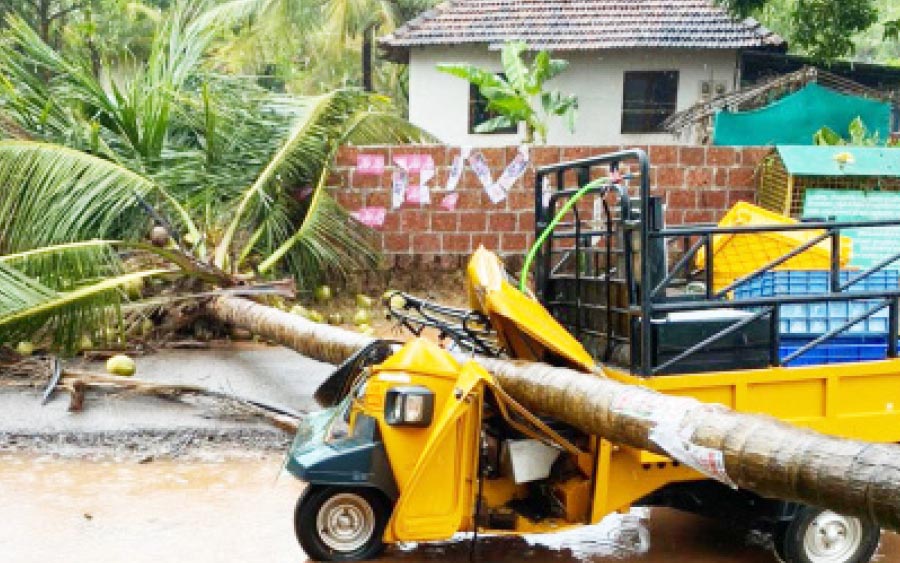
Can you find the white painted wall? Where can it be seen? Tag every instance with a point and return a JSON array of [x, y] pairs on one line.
[[438, 102]]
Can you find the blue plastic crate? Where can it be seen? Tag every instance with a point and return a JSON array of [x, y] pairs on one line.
[[838, 350], [802, 282], [819, 318]]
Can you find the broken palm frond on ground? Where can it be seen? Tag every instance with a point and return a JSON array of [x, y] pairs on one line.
[[758, 453], [40, 372]]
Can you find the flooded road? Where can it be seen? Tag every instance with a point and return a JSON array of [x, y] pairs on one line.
[[241, 510]]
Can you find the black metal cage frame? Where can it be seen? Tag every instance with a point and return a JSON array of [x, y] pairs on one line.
[[632, 228]]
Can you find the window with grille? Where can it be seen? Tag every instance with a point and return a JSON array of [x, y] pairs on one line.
[[649, 98]]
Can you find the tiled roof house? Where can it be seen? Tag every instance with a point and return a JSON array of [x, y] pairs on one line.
[[632, 62]]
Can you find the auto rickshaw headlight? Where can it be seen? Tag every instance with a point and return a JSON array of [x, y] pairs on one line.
[[409, 406]]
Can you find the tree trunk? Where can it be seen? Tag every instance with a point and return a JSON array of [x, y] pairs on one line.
[[319, 341], [367, 40], [754, 452], [43, 17]]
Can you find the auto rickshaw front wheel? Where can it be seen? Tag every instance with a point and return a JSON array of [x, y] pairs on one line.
[[815, 535], [341, 523]]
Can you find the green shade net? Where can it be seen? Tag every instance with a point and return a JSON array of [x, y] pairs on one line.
[[794, 119]]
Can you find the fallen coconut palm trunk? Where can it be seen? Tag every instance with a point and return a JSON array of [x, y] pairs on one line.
[[319, 341], [755, 452]]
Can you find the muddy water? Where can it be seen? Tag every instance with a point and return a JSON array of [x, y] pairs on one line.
[[240, 511]]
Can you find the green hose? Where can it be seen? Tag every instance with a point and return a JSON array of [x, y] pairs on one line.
[[526, 267]]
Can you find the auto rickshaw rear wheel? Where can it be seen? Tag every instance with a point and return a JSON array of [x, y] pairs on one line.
[[815, 535], [341, 523]]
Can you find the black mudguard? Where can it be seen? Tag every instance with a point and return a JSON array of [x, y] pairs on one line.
[[333, 390]]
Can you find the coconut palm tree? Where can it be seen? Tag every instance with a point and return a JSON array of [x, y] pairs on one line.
[[153, 146], [320, 44], [234, 174]]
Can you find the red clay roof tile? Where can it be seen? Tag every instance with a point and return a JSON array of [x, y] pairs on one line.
[[562, 25]]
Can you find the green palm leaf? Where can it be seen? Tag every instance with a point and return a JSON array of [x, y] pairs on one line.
[[29, 308], [328, 242], [383, 127], [301, 156], [55, 195], [310, 235], [66, 266]]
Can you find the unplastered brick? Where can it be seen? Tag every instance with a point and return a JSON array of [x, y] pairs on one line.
[[699, 185]]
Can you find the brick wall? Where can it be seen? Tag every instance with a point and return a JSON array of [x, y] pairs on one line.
[[699, 184]]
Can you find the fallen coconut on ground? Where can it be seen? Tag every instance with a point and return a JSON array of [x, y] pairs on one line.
[[120, 364]]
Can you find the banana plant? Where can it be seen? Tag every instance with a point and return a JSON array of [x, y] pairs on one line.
[[858, 135], [520, 95]]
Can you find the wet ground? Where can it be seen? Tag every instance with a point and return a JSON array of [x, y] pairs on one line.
[[239, 510], [122, 424]]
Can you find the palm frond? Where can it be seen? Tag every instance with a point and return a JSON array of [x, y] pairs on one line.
[[383, 127], [54, 195], [64, 267], [328, 243], [294, 223], [298, 162], [30, 309]]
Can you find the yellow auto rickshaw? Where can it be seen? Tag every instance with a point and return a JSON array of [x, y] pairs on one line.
[[418, 441]]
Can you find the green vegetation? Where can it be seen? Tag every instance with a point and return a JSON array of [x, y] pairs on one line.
[[295, 46], [99, 153], [858, 135], [513, 97], [864, 30]]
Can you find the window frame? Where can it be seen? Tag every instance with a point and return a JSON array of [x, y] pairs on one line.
[[669, 105]]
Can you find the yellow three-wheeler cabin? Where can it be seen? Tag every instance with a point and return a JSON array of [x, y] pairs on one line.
[[419, 443]]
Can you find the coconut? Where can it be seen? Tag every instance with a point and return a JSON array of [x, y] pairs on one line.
[[147, 327], [159, 236], [315, 316], [336, 319], [120, 364], [300, 310], [133, 288], [364, 301], [362, 317], [323, 294], [396, 301], [85, 343], [25, 348], [366, 329]]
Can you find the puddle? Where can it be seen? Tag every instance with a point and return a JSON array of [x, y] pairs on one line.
[[240, 510]]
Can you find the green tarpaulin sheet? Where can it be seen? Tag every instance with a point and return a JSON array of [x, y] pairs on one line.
[[794, 119]]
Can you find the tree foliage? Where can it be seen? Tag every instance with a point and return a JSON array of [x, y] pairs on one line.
[[236, 173], [824, 29], [858, 135]]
